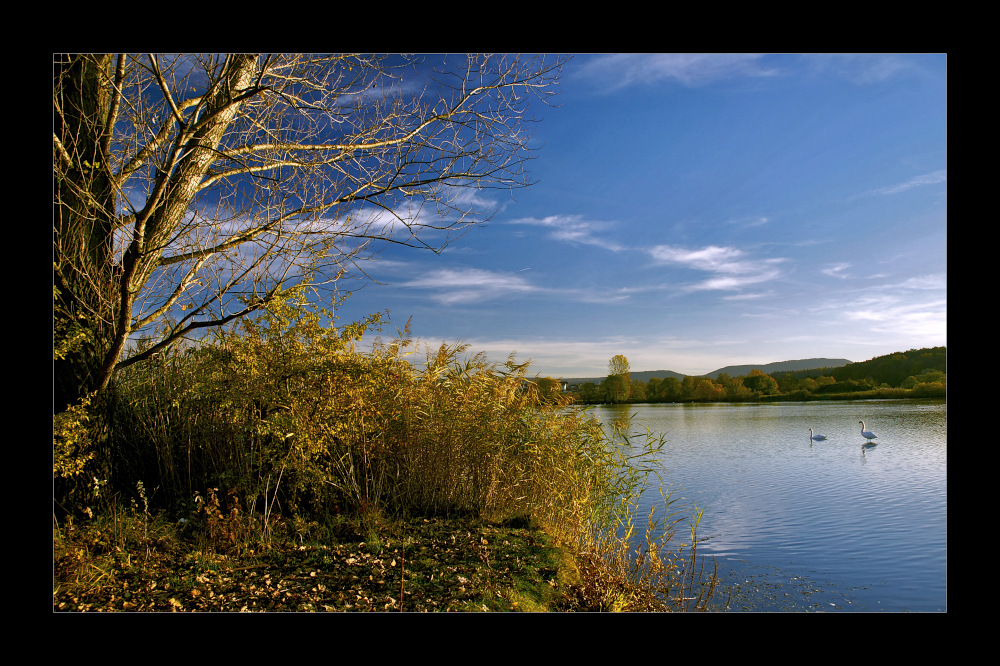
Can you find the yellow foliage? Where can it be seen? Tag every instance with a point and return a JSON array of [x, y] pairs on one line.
[[68, 334], [285, 405], [71, 440]]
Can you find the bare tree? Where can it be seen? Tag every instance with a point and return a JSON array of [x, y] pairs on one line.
[[191, 189]]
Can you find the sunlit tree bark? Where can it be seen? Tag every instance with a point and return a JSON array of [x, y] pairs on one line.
[[190, 190]]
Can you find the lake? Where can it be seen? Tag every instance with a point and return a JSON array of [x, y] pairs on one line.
[[798, 525]]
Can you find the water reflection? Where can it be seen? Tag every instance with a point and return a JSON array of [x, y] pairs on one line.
[[865, 522]]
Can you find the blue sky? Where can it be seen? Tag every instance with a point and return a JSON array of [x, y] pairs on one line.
[[698, 211]]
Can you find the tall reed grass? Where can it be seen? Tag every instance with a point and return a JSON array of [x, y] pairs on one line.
[[285, 416]]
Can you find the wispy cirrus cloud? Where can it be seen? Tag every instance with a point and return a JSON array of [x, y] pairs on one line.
[[464, 286], [749, 297], [889, 314], [470, 285], [710, 258], [926, 282], [914, 308], [932, 178], [747, 222], [733, 269], [573, 229], [621, 70], [861, 68], [836, 270]]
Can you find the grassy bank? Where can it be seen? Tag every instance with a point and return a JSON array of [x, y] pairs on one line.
[[278, 468]]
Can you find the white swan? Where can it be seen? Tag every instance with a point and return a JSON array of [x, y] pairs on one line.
[[867, 434], [816, 437]]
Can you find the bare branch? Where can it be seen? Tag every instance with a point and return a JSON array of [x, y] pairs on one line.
[[221, 176]]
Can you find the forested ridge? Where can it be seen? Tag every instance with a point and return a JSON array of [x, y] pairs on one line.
[[913, 373]]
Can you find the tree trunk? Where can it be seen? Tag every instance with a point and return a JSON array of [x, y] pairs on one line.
[[83, 267], [89, 281]]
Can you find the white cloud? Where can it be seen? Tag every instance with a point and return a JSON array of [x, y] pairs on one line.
[[933, 178], [470, 285], [935, 281], [909, 310], [473, 285], [836, 270], [749, 297], [573, 229], [620, 70], [748, 222], [734, 269], [710, 258], [891, 315], [862, 68], [472, 277], [736, 282]]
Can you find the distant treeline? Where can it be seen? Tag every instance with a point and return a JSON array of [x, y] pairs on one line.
[[910, 374]]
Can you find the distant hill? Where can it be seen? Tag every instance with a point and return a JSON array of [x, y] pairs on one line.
[[646, 375], [643, 375], [731, 370], [780, 366]]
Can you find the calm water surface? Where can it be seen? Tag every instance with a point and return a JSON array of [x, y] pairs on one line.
[[799, 525]]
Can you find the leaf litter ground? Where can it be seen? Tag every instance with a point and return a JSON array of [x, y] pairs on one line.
[[424, 564]]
